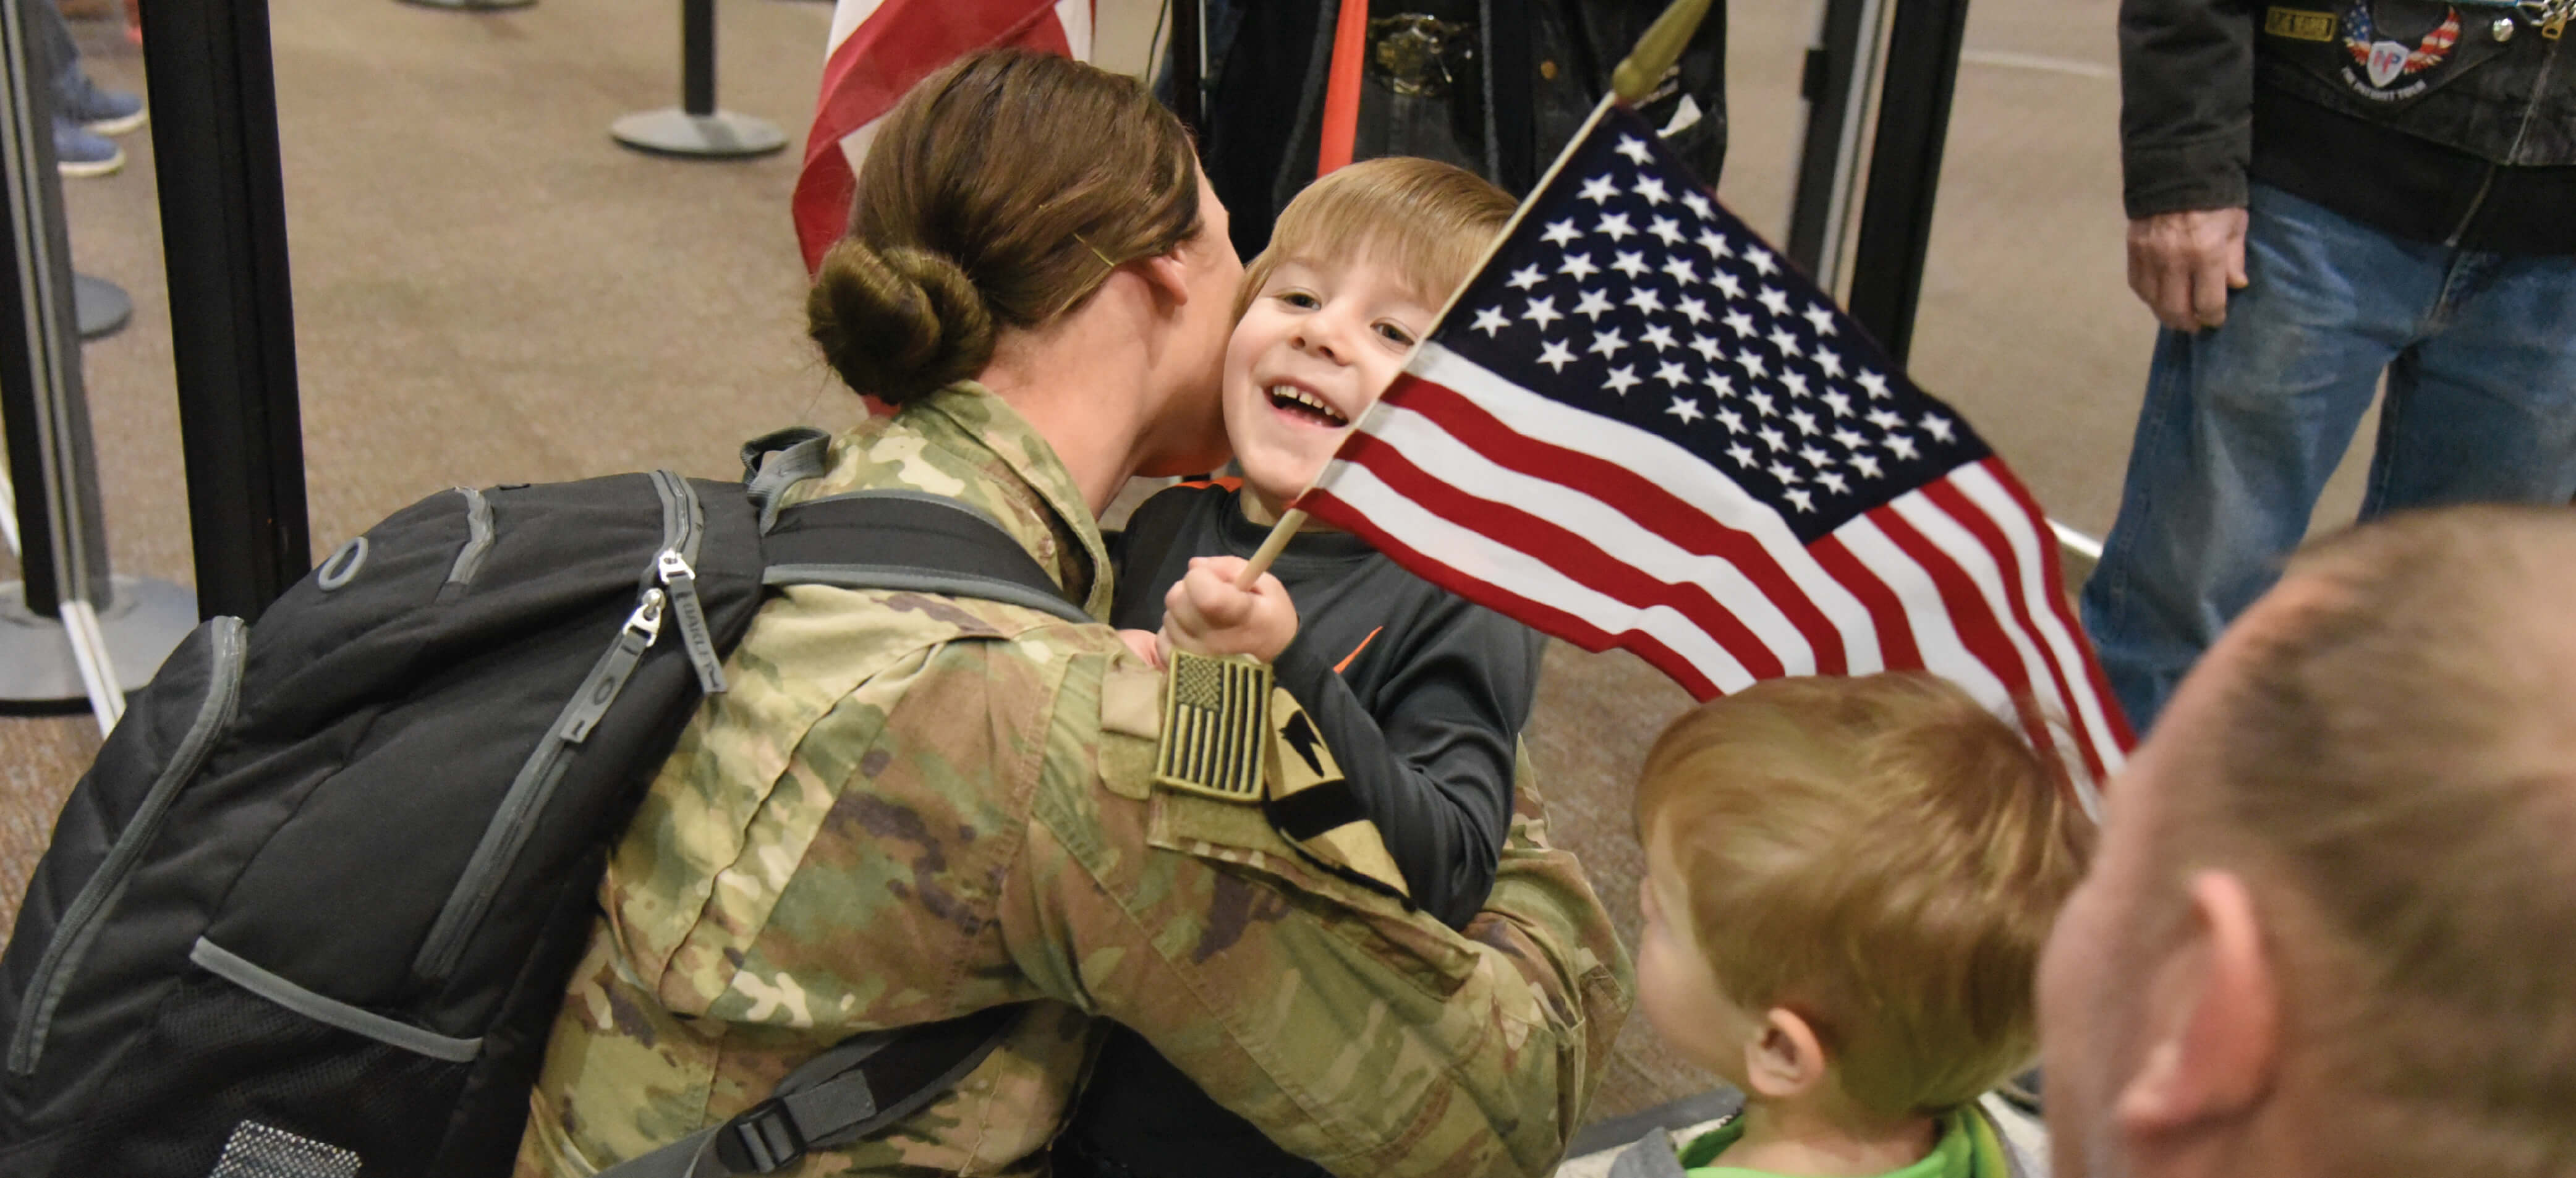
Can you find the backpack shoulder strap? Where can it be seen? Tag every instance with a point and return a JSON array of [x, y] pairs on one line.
[[854, 1088], [775, 461], [914, 541], [909, 540]]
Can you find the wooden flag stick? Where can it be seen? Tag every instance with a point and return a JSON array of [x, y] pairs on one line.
[[1280, 533], [1656, 52]]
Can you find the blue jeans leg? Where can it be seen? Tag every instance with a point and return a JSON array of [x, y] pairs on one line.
[[56, 55], [2484, 409], [2241, 427]]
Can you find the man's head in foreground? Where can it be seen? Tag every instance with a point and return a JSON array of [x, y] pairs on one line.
[[2331, 927]]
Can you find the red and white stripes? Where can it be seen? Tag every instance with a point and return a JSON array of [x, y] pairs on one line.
[[878, 49], [1608, 535]]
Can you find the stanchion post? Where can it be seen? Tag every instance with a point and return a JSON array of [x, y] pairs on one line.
[[64, 549], [101, 306], [698, 57], [1189, 66], [1841, 71], [126, 625], [1923, 43], [696, 129], [232, 310]]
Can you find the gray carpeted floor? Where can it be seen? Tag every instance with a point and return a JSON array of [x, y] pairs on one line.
[[489, 290]]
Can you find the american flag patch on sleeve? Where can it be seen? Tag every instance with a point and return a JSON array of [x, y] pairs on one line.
[[1215, 716]]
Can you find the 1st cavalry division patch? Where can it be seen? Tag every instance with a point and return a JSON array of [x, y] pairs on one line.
[[1215, 724], [1314, 806]]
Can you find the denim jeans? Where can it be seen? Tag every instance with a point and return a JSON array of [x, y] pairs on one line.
[[54, 54], [2243, 423]]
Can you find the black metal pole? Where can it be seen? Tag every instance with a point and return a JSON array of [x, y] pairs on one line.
[[232, 334], [22, 417], [1188, 68], [698, 57], [695, 129], [1832, 66], [1905, 168], [69, 629], [62, 543], [1511, 97]]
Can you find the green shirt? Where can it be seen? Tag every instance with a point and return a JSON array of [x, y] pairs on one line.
[[1967, 1148]]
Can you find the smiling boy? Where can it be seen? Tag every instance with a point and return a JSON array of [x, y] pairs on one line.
[[1420, 695]]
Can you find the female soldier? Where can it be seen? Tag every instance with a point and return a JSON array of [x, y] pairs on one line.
[[909, 808]]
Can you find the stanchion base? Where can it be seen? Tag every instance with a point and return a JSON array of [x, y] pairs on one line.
[[100, 306], [471, 5], [143, 624], [722, 135]]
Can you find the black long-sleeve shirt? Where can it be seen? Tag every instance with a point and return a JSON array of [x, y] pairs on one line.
[[1420, 695]]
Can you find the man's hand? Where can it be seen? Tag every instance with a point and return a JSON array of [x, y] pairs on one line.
[[2183, 264], [1206, 614]]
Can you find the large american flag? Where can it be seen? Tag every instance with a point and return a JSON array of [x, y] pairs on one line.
[[1637, 426], [878, 49]]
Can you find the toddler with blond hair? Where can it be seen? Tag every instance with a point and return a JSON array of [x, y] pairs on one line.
[[1848, 881]]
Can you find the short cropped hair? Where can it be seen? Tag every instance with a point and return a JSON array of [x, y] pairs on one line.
[[2398, 756], [1880, 855], [1429, 221]]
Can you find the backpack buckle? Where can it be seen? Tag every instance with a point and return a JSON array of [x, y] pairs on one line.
[[762, 1139]]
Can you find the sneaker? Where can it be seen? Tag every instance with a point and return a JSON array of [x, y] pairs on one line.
[[80, 153], [102, 111]]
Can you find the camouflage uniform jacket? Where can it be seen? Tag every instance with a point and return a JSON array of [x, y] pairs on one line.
[[909, 808]]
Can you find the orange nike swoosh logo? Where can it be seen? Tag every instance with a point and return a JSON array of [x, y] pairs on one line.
[[1355, 651]]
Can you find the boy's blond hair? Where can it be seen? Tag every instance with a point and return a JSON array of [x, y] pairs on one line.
[[1880, 855], [1431, 222]]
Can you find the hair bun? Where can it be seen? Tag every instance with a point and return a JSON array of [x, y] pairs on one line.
[[897, 323]]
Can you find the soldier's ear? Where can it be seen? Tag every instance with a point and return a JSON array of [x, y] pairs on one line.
[[1168, 277]]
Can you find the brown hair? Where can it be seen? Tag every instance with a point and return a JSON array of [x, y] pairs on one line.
[[1431, 221], [2398, 762], [1000, 193], [1879, 854]]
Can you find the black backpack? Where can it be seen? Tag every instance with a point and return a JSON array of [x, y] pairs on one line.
[[315, 904]]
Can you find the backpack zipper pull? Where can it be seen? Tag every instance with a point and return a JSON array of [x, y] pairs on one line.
[[609, 677], [683, 582], [647, 618]]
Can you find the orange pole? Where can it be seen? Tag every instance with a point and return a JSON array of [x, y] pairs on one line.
[[1342, 87]]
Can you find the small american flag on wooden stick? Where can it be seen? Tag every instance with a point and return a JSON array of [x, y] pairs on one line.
[[1637, 427]]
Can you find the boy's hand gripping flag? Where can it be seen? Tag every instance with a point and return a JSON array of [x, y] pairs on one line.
[[1636, 426], [877, 50]]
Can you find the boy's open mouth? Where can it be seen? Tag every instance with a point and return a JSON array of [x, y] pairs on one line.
[[1297, 402]]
